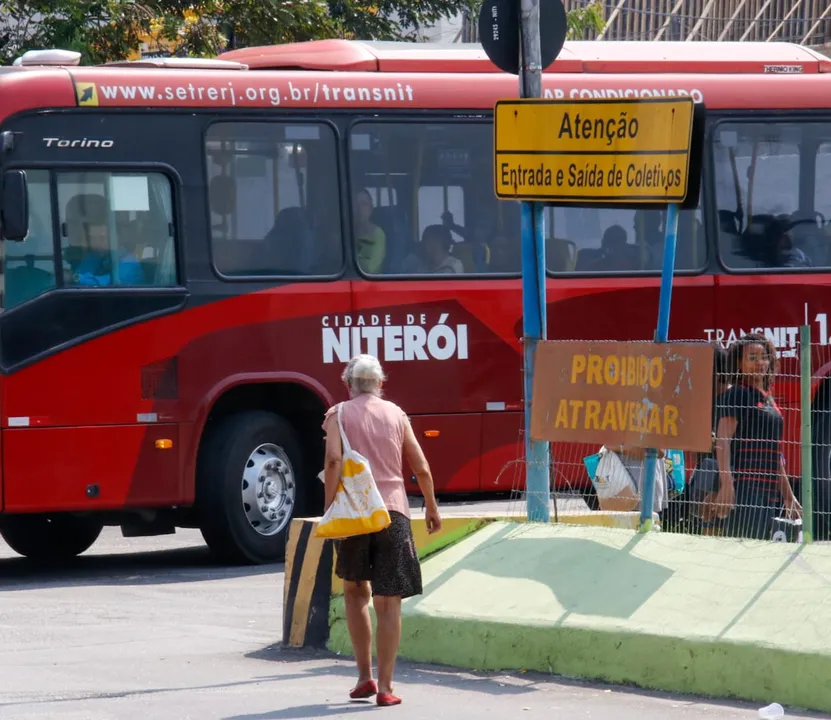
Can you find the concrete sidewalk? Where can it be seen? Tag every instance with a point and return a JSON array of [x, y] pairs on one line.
[[708, 616]]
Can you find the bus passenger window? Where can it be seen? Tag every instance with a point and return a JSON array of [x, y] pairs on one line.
[[274, 197], [442, 174], [429, 181], [769, 197], [30, 265], [116, 229], [619, 240]]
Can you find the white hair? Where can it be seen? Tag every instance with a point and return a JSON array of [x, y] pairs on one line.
[[363, 374]]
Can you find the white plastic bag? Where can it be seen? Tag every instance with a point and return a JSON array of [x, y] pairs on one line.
[[358, 508], [613, 483]]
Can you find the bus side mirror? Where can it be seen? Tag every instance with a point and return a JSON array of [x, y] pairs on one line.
[[14, 206]]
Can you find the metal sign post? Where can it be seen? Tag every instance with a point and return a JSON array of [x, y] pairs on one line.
[[661, 336], [534, 316], [526, 50]]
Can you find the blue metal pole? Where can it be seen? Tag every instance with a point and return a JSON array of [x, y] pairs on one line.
[[534, 326], [667, 271], [661, 336]]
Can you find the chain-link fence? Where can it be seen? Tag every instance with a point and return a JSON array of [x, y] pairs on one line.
[[766, 475]]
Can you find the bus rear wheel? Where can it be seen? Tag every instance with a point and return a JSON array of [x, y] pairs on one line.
[[49, 538], [248, 486]]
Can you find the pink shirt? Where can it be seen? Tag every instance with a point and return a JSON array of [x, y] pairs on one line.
[[375, 429]]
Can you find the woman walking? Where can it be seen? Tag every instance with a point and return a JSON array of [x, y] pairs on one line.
[[753, 484], [384, 564]]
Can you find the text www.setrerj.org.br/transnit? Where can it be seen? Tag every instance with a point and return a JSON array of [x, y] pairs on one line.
[[291, 92]]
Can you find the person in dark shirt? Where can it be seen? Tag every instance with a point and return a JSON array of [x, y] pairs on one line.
[[689, 512], [753, 484]]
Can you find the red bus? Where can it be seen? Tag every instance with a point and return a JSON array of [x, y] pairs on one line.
[[194, 248]]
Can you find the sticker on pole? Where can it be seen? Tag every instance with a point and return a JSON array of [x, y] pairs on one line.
[[593, 151], [624, 393]]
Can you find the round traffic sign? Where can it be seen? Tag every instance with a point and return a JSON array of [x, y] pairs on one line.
[[499, 28]]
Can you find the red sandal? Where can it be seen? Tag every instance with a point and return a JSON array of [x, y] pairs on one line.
[[387, 699], [364, 690]]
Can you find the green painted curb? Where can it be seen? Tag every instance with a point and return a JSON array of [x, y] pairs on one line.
[[716, 669], [775, 603], [452, 537]]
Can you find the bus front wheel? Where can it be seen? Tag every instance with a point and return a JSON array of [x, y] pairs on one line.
[[48, 538], [248, 486]]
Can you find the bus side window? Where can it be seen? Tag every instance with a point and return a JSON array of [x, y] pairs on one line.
[[619, 240], [822, 207], [438, 174], [274, 199], [765, 165]]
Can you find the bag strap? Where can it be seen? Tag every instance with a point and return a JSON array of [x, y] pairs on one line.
[[346, 446]]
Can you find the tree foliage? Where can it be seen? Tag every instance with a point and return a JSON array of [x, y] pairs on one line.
[[105, 30], [585, 22]]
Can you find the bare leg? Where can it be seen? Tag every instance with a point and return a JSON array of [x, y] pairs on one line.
[[356, 596], [388, 611]]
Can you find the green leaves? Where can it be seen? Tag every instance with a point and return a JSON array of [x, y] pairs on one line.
[[99, 29], [107, 30], [585, 22]]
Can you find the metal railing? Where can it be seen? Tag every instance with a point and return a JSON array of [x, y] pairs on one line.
[[805, 22]]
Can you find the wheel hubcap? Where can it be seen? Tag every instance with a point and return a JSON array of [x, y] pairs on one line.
[[268, 489]]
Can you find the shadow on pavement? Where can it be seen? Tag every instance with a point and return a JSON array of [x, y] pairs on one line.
[[409, 673], [76, 697], [308, 711], [492, 683], [181, 565]]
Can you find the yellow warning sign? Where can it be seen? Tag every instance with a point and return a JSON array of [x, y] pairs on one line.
[[86, 93], [635, 150]]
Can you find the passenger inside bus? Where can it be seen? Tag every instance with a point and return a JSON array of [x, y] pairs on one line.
[[616, 252], [437, 244], [89, 253], [288, 247], [328, 253], [767, 242], [688, 243], [649, 234], [807, 232], [506, 256], [784, 252], [476, 238], [413, 262], [370, 240]]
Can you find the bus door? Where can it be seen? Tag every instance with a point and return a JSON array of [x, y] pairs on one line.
[[14, 228]]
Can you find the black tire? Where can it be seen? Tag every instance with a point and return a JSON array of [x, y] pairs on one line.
[[224, 454], [49, 538]]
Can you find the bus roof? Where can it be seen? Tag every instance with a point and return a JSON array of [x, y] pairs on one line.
[[367, 76], [576, 56]]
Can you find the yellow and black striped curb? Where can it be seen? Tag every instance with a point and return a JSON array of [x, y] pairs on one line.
[[311, 583], [308, 586]]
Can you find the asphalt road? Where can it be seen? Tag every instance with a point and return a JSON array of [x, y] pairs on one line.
[[150, 628]]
